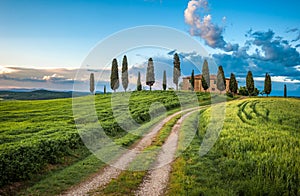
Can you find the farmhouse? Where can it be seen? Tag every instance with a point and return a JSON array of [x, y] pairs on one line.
[[198, 85]]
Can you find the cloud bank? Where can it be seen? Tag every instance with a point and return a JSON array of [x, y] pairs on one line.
[[203, 27]]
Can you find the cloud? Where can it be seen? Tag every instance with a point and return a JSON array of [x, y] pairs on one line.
[[272, 54], [6, 70], [205, 28], [275, 49], [282, 79], [294, 30], [55, 79]]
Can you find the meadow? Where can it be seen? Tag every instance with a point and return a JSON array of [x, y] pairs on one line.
[[39, 136], [257, 152]]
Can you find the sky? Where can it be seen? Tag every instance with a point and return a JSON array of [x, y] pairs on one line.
[[44, 44]]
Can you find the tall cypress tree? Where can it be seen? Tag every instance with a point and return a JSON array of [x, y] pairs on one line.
[[104, 89], [268, 84], [221, 82], [204, 84], [192, 80], [92, 83], [125, 73], [176, 70], [250, 83], [285, 91], [205, 76], [114, 77], [150, 79], [165, 81], [233, 87], [139, 84]]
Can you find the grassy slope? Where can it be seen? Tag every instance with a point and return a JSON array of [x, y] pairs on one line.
[[257, 152], [27, 123]]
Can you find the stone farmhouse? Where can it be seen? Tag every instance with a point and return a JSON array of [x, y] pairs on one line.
[[198, 85]]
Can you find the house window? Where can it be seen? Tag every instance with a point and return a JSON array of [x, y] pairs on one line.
[[213, 89], [215, 81]]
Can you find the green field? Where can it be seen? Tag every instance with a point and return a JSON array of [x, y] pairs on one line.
[[36, 136], [257, 152]]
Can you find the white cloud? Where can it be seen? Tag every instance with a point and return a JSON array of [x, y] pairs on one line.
[[203, 27], [283, 79], [193, 5], [53, 77], [6, 70]]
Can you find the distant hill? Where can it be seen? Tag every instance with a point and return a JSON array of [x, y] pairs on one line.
[[38, 95]]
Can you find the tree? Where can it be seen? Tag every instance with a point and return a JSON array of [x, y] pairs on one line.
[[250, 83], [165, 80], [243, 91], [150, 79], [114, 77], [125, 73], [255, 92], [104, 89], [192, 80], [268, 84], [221, 82], [205, 76], [92, 83], [285, 91], [139, 84], [204, 84], [176, 70], [233, 86]]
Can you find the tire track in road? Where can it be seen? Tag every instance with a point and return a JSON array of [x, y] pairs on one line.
[[112, 171], [156, 181]]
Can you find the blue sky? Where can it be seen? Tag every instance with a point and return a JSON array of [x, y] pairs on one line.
[[49, 35]]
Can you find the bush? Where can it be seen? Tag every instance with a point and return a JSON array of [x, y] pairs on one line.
[[20, 162]]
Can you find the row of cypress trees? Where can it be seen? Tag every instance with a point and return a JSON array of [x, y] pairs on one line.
[[205, 81], [150, 76], [251, 87], [233, 85]]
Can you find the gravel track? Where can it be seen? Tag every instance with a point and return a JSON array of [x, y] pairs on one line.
[[109, 172], [157, 179]]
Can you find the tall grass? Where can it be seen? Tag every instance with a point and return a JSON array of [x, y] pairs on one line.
[[257, 152]]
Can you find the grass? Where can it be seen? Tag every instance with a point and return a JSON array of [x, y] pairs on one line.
[[55, 182], [39, 139], [63, 178], [46, 131], [257, 152]]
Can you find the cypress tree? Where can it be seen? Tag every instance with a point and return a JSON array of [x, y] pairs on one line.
[[139, 84], [205, 76], [176, 70], [104, 89], [150, 79], [250, 83], [285, 91], [165, 81], [233, 87], [268, 84], [125, 73], [192, 80], [92, 83], [221, 82], [204, 84], [114, 77]]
